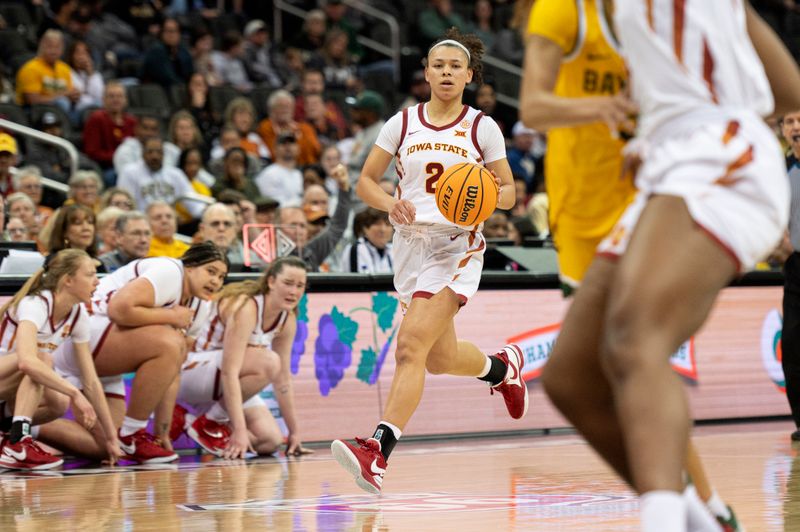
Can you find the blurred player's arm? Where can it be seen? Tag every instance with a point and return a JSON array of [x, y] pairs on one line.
[[541, 109], [781, 69]]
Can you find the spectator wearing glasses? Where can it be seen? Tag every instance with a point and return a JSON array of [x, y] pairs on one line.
[[20, 206], [164, 224], [28, 180], [106, 228], [84, 189], [218, 225], [133, 241], [117, 197], [16, 230]]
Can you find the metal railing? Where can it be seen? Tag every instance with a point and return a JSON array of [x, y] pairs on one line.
[[508, 68], [392, 51], [49, 139]]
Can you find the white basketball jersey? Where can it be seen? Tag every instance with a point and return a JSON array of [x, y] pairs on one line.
[[690, 55], [212, 334], [165, 275], [39, 310], [424, 151]]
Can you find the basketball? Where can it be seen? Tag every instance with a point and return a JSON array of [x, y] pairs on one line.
[[466, 194]]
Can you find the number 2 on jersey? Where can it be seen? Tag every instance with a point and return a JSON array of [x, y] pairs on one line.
[[434, 170]]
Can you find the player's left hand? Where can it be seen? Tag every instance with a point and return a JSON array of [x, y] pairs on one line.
[[294, 446]]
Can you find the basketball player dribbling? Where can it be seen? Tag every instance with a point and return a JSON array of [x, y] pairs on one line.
[[437, 263], [713, 200], [574, 87]]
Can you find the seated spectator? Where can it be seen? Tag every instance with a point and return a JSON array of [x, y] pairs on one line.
[[258, 56], [366, 113], [107, 128], [234, 175], [133, 241], [28, 180], [266, 210], [241, 115], [292, 222], [229, 139], [218, 225], [496, 226], [130, 151], [164, 225], [85, 79], [228, 63], [152, 180], [316, 115], [45, 78], [19, 205], [520, 197], [57, 17], [316, 222], [486, 101], [508, 42], [184, 133], [8, 159], [281, 107], [372, 250], [282, 180], [53, 160], [200, 107], [482, 23], [117, 197], [73, 227], [418, 92], [314, 83], [316, 199], [335, 62], [191, 163], [202, 43], [520, 155], [106, 226], [313, 174], [84, 189], [336, 12], [312, 36], [16, 230], [168, 62], [436, 19]]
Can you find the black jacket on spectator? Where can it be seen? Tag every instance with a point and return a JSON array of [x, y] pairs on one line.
[[167, 68], [318, 248]]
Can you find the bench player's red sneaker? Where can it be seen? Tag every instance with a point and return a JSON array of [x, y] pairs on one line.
[[26, 454], [365, 462]]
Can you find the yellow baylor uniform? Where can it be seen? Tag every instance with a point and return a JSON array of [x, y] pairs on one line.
[[583, 163]]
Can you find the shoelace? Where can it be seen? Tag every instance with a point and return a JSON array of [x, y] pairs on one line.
[[363, 443]]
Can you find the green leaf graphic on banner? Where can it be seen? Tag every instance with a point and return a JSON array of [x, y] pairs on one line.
[[385, 307], [302, 309], [347, 328], [367, 365]]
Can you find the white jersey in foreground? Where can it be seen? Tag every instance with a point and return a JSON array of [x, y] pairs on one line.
[[38, 309], [690, 56], [423, 152]]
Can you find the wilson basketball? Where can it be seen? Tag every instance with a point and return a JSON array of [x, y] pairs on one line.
[[466, 194]]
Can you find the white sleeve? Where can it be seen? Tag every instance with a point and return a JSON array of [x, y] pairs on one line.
[[123, 156], [80, 332], [127, 180], [166, 277], [185, 189], [389, 136], [33, 309], [490, 140]]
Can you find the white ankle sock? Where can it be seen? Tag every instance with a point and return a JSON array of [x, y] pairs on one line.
[[662, 511], [698, 516], [218, 413], [130, 425], [35, 431], [486, 368], [21, 418], [717, 506]]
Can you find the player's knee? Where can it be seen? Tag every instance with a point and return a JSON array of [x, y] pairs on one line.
[[268, 443], [58, 404], [170, 345], [409, 351], [624, 347]]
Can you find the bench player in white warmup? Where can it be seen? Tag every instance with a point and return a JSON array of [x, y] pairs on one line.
[[437, 263]]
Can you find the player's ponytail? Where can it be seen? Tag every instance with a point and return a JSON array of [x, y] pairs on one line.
[[56, 266], [472, 43]]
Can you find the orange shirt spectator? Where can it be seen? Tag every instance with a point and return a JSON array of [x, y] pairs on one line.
[[281, 120]]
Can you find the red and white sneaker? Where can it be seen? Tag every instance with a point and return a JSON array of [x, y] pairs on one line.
[[209, 434], [178, 422], [142, 447], [365, 463], [26, 454], [513, 388]]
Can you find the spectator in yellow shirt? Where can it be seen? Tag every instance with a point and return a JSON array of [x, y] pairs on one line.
[[164, 224], [45, 78]]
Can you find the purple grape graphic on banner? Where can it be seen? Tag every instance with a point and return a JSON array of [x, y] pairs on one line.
[[299, 343], [333, 349]]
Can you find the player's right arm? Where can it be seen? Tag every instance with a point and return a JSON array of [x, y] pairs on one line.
[[400, 211], [552, 33], [780, 67]]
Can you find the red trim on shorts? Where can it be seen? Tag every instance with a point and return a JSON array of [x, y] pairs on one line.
[[678, 23], [708, 71], [462, 300], [608, 255], [725, 247], [101, 341], [474, 133], [115, 395], [650, 14], [423, 294], [446, 126], [731, 131]]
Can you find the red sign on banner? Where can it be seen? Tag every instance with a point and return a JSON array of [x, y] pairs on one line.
[[267, 241]]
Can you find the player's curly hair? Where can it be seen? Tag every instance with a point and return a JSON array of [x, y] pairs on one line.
[[472, 43]]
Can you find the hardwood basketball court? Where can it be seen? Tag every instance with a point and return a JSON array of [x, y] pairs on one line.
[[522, 483]]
